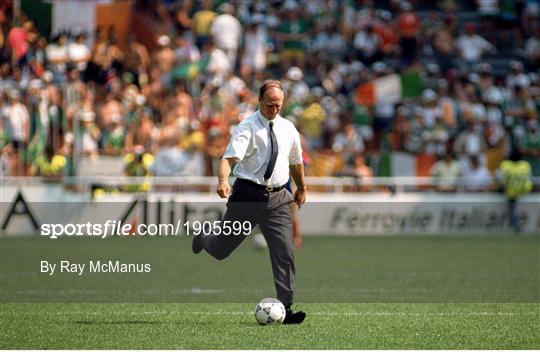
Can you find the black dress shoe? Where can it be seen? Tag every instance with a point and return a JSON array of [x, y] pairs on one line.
[[294, 317], [197, 244]]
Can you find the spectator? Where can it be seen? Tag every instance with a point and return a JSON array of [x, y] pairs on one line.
[[495, 136], [218, 66], [361, 172], [5, 161], [106, 59], [247, 104], [517, 77], [476, 178], [295, 88], [169, 158], [388, 37], [232, 87], [515, 174], [432, 77], [447, 104], [360, 169], [58, 57], [384, 109], [73, 92], [532, 47], [183, 104], [530, 146], [519, 108], [529, 17], [186, 50], [143, 85], [414, 142], [165, 57], [255, 46], [313, 116], [138, 163], [51, 165], [137, 61], [168, 134], [227, 32], [429, 110], [329, 41], [485, 82], [114, 136], [193, 145], [18, 127], [37, 56], [89, 134], [472, 46], [202, 22], [182, 20], [348, 143], [488, 7], [446, 172], [140, 132], [216, 143], [52, 117], [494, 113], [401, 129], [110, 108], [367, 43], [366, 15], [292, 33], [469, 143], [4, 136], [19, 39], [168, 162], [408, 25], [436, 138], [78, 52]]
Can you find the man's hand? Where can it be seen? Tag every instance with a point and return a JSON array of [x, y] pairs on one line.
[[300, 197], [224, 189], [297, 173], [298, 242]]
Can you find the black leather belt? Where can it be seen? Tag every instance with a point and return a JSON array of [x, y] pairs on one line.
[[268, 189]]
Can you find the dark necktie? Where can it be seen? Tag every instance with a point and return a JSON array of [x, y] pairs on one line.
[[273, 153]]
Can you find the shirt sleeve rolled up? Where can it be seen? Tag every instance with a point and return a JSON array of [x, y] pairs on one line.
[[295, 156], [239, 142]]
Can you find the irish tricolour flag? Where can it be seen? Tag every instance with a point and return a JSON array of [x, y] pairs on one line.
[[389, 89]]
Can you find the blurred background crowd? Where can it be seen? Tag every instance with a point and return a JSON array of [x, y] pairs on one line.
[[443, 88]]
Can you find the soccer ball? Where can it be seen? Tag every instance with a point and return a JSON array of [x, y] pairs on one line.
[[259, 242], [270, 311]]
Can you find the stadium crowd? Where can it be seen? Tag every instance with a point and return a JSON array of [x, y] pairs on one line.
[[168, 109]]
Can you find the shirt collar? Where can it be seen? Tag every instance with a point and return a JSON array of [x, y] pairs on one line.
[[265, 121]]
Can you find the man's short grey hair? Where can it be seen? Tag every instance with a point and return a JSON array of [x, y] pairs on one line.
[[269, 83]]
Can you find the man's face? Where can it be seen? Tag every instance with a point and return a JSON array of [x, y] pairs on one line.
[[271, 102]]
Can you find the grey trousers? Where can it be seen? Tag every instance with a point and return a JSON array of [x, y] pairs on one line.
[[272, 212]]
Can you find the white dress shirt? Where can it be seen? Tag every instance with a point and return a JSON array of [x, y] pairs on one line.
[[250, 142]]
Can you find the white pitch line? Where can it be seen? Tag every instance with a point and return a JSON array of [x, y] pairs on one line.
[[465, 314]]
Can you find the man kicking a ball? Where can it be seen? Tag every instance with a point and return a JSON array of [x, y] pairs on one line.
[[264, 150]]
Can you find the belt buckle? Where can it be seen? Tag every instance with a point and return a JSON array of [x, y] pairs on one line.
[[269, 188]]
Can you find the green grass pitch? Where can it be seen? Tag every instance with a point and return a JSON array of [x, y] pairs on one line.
[[406, 292]]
